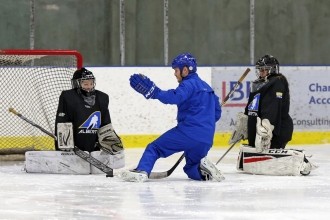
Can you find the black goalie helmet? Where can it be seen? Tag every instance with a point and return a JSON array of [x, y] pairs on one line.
[[78, 77], [269, 63]]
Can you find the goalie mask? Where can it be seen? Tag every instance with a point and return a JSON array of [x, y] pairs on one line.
[[268, 63], [84, 81]]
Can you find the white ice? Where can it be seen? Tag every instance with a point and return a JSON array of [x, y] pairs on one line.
[[240, 196]]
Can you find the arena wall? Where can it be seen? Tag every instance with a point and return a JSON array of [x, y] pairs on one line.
[[139, 121]]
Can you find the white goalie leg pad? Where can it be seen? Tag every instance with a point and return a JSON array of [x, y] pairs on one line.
[[279, 162], [116, 161], [65, 136], [55, 162]]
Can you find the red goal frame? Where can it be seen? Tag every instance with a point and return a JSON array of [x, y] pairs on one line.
[[47, 52]]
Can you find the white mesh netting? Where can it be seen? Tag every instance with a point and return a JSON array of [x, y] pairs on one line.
[[31, 84]]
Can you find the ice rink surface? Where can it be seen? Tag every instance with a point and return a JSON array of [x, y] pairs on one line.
[[240, 196]]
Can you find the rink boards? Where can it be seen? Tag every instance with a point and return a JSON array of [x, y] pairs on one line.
[[139, 121], [142, 140]]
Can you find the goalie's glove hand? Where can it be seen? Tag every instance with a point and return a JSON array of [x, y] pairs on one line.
[[264, 128], [264, 134], [109, 141], [240, 132], [144, 85]]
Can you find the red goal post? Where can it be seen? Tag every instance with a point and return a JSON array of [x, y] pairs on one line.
[[32, 81]]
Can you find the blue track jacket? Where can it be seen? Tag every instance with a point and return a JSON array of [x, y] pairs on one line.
[[198, 107]]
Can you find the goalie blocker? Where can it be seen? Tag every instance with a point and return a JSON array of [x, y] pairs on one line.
[[65, 136], [277, 162]]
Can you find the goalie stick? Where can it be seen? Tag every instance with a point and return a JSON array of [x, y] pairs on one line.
[[239, 82], [82, 154], [87, 157], [165, 174]]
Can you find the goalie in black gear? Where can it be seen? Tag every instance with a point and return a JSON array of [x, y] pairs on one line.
[[266, 122], [87, 109], [269, 99], [81, 112]]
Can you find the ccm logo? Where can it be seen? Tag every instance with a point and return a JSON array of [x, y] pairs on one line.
[[277, 151]]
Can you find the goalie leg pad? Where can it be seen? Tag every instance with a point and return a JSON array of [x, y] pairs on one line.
[[55, 162], [279, 162], [116, 161]]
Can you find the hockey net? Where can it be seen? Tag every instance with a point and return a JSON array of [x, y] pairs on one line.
[[32, 81]]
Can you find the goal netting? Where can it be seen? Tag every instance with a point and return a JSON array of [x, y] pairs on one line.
[[31, 83]]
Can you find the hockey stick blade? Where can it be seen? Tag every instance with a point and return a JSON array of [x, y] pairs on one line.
[[82, 154], [161, 175]]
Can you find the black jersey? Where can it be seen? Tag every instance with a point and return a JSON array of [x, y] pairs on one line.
[[270, 99], [86, 119]]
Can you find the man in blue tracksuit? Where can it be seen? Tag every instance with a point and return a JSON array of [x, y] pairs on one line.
[[198, 111]]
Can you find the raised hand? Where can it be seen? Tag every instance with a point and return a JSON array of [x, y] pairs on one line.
[[143, 85]]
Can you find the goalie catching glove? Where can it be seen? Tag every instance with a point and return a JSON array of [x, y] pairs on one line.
[[108, 139], [240, 132], [264, 134]]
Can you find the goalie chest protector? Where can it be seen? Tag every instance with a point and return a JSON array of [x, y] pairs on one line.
[[86, 119]]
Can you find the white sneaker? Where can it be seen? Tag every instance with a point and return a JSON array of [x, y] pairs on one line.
[[134, 176], [210, 171]]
